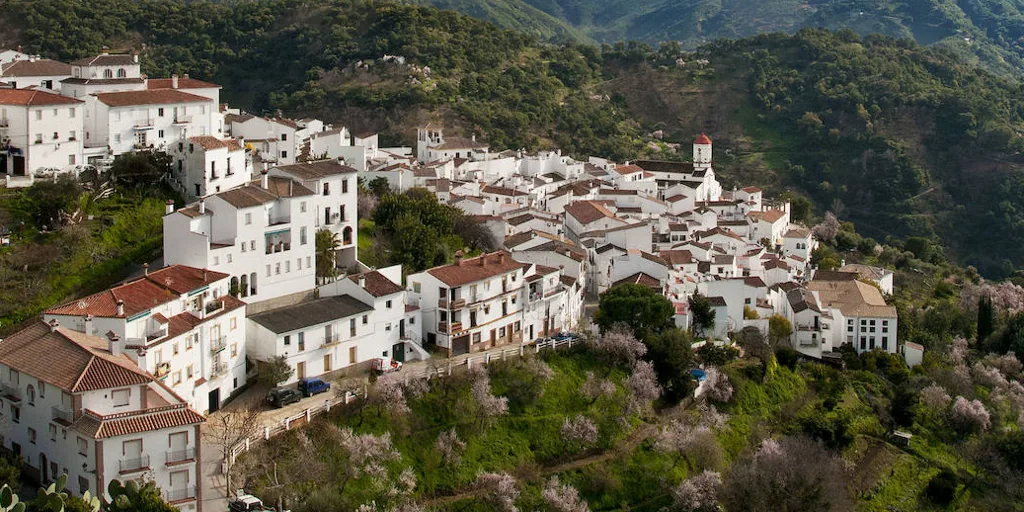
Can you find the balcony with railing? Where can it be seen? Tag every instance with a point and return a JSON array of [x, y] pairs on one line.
[[218, 370], [10, 392], [134, 464], [443, 326], [182, 120], [61, 415], [213, 306], [446, 303], [332, 340], [218, 344], [173, 496], [178, 456], [5, 123], [278, 241], [144, 124]]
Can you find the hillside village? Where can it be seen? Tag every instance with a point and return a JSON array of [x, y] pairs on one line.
[[133, 370]]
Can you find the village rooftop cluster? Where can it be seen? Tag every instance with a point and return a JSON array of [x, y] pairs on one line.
[[116, 384]]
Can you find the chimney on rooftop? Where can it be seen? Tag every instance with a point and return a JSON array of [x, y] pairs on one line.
[[145, 269], [88, 324], [120, 307], [113, 344], [362, 281], [264, 180], [473, 137], [105, 50], [169, 207], [135, 58], [202, 206], [54, 324], [185, 76], [458, 258], [174, 81]]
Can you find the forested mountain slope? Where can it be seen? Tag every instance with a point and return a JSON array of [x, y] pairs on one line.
[[991, 31], [902, 139]]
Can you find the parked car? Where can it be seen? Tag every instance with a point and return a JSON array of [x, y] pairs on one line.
[[310, 387], [563, 336], [247, 503], [381, 365], [280, 397]]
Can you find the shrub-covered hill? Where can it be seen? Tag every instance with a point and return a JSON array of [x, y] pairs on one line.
[[902, 139]]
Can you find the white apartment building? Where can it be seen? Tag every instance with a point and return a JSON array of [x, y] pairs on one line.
[[38, 130], [204, 164], [473, 304], [397, 325], [152, 118], [431, 145], [262, 234], [277, 141], [859, 312], [317, 337], [75, 404], [178, 323], [35, 72], [333, 202], [8, 55]]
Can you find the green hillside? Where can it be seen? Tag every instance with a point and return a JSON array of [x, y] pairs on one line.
[[989, 31]]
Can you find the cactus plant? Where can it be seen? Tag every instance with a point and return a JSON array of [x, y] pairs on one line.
[[9, 501]]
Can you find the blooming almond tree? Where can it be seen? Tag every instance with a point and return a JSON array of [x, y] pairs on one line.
[[717, 386], [450, 446], [619, 346], [828, 229], [969, 415], [935, 397], [579, 433], [367, 454], [643, 388], [563, 498], [498, 490], [988, 376], [697, 441], [595, 387], [699, 493], [490, 406]]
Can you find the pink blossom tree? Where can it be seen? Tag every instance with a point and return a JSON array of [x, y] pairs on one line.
[[498, 490], [643, 388], [450, 447], [694, 441], [1006, 296], [698, 493], [595, 387], [489, 406], [366, 454], [1008, 364], [828, 229], [717, 386], [579, 433], [620, 346], [988, 376], [935, 397], [563, 498], [969, 415]]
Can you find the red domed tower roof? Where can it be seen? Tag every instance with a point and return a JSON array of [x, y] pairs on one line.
[[702, 139]]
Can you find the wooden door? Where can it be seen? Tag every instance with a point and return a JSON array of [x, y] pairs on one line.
[[300, 370]]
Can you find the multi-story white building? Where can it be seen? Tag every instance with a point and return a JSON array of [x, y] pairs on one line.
[[8, 55], [204, 164], [473, 304], [75, 404], [38, 130], [277, 141], [178, 323], [333, 201], [395, 323], [262, 234], [35, 72], [317, 337], [152, 118], [858, 310]]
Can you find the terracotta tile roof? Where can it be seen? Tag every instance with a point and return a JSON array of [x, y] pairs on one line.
[[376, 284], [853, 298], [677, 257], [209, 142], [285, 122], [515, 221], [587, 212], [238, 118], [185, 322], [801, 299], [628, 169], [183, 83], [476, 269], [316, 170], [641, 279], [751, 190], [665, 166], [652, 258], [561, 247], [702, 139], [149, 97], [460, 143], [69, 360], [772, 216], [103, 81], [34, 97], [502, 191], [159, 287], [37, 67], [177, 417], [117, 59], [755, 282], [797, 232], [677, 197], [617, 192]]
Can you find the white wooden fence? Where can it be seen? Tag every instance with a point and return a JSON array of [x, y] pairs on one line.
[[430, 371]]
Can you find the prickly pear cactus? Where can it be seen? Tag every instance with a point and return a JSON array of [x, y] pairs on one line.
[[9, 501]]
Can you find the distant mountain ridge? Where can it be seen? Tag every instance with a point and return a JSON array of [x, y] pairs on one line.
[[988, 31]]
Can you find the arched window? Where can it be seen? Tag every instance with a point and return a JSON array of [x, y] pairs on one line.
[[121, 73], [244, 287], [108, 73], [234, 290], [252, 283], [346, 235], [31, 392]]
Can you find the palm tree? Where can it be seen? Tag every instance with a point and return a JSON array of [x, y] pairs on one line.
[[327, 245]]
